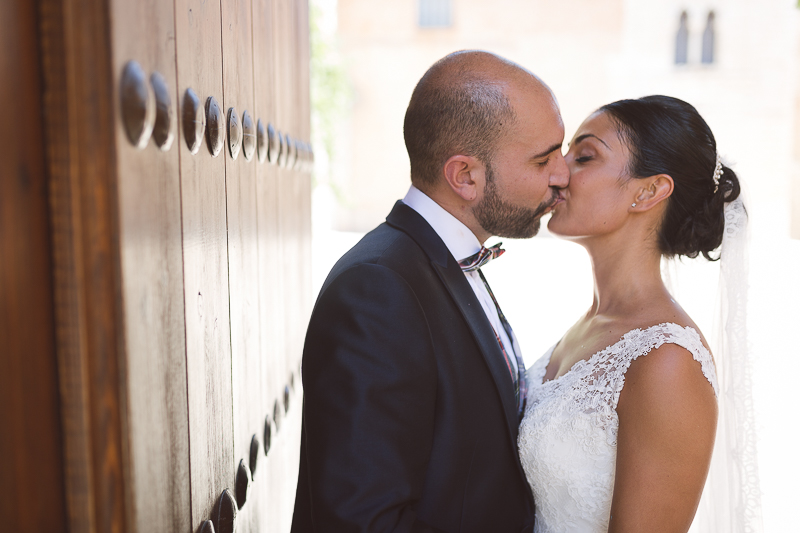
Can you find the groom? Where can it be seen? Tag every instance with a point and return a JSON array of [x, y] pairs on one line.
[[414, 384]]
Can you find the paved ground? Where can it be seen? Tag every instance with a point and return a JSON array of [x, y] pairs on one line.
[[544, 284]]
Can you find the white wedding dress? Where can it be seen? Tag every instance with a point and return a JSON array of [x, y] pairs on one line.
[[568, 436]]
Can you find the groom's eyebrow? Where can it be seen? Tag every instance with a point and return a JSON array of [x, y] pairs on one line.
[[585, 135], [548, 151]]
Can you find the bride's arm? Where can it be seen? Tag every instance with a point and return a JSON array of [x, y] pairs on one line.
[[667, 422]]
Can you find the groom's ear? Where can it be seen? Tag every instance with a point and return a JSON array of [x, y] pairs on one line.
[[465, 175], [653, 191]]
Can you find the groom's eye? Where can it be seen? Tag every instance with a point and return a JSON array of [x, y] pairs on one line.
[[544, 163]]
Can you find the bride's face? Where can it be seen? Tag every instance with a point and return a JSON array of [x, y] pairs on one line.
[[599, 193]]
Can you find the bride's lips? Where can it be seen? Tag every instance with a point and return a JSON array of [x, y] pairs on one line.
[[559, 200]]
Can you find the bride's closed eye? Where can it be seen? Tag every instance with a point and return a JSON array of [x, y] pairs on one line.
[[583, 159]]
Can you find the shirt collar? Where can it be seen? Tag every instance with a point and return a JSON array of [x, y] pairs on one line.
[[458, 238]]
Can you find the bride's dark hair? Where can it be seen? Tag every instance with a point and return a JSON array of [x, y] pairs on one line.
[[666, 135]]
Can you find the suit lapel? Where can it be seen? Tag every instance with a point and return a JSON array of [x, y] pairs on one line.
[[464, 297], [409, 221]]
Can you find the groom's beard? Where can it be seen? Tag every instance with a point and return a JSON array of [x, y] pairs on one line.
[[503, 219]]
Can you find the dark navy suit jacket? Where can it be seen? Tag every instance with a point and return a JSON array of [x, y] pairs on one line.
[[409, 419]]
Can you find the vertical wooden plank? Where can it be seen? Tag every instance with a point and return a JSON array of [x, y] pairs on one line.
[[237, 55], [205, 272], [289, 183], [283, 117], [78, 110], [154, 372], [271, 319], [295, 39], [303, 77], [282, 470], [302, 201], [286, 450], [31, 462], [296, 104], [270, 480]]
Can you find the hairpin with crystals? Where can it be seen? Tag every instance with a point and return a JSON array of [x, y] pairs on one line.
[[717, 173]]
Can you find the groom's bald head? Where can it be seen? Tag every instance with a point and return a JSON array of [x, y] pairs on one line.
[[461, 106]]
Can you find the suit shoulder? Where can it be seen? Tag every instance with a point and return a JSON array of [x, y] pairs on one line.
[[385, 246]]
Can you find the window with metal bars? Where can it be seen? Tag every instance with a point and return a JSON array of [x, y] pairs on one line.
[[707, 56], [682, 40], [435, 13]]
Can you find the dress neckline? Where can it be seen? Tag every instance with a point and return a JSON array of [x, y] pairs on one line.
[[584, 362]]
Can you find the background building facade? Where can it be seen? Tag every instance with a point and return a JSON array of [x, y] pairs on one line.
[[735, 60]]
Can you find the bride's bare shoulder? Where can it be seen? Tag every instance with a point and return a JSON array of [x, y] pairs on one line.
[[666, 310], [664, 374]]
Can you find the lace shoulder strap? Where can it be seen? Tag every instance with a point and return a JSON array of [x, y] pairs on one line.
[[639, 342]]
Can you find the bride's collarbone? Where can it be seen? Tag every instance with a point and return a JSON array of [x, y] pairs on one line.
[[588, 337]]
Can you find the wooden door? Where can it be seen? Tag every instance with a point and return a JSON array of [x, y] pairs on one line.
[[181, 269]]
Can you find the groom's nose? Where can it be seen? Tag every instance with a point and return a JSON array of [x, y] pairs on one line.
[[560, 176]]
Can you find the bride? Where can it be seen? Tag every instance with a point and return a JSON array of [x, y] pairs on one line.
[[622, 412]]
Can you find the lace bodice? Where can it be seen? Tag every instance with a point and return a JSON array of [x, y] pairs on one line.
[[568, 436]]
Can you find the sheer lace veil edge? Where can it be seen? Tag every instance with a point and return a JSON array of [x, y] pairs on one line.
[[731, 499]]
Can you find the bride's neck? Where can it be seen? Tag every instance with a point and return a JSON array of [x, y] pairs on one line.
[[625, 278]]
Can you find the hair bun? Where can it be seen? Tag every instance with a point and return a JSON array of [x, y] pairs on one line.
[[666, 135], [704, 228]]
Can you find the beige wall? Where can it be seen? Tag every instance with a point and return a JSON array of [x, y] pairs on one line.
[[795, 189], [590, 52]]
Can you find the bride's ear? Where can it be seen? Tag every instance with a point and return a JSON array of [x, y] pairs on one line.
[[652, 191]]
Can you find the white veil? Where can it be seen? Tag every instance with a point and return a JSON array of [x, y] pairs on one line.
[[731, 500]]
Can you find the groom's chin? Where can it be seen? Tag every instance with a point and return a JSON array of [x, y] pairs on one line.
[[533, 229]]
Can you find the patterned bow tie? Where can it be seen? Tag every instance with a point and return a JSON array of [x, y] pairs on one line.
[[483, 256]]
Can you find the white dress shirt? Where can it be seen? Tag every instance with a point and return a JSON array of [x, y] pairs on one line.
[[462, 243]]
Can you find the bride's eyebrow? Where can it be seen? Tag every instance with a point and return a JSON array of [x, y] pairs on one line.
[[585, 135]]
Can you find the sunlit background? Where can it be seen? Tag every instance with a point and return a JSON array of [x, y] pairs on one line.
[[735, 60]]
